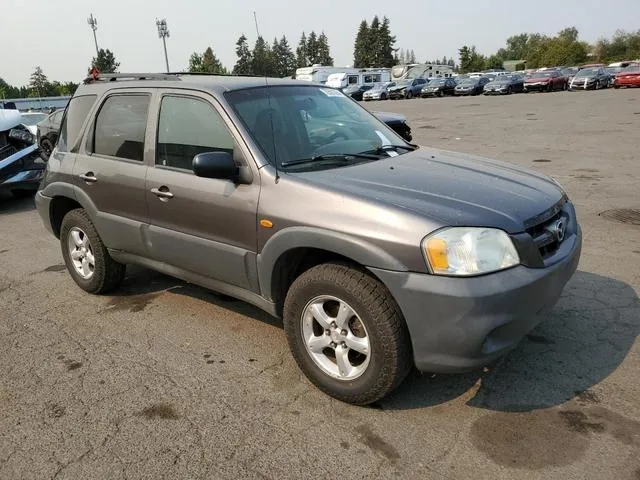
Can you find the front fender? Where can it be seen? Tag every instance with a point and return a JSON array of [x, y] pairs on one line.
[[354, 248]]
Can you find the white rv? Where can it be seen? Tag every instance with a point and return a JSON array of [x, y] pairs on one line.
[[362, 76], [421, 70], [317, 73]]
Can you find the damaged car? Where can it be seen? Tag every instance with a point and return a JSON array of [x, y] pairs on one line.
[[21, 165]]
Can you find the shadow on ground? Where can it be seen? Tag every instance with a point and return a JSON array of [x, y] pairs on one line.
[[586, 337], [10, 205]]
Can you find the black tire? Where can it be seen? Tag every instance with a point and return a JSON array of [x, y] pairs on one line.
[[509, 91], [391, 357], [23, 193], [616, 86], [409, 95], [47, 147], [383, 96], [440, 93], [108, 274]]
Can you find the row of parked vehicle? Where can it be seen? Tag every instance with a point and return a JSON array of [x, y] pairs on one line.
[[589, 77]]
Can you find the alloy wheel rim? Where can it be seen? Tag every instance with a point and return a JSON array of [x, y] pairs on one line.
[[335, 338], [81, 253]]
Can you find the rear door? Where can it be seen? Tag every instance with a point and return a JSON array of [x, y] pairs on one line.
[[203, 225], [110, 168]]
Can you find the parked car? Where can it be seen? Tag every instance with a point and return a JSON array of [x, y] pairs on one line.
[[379, 91], [47, 132], [356, 91], [408, 88], [438, 87], [31, 120], [612, 72], [505, 85], [21, 167], [569, 73], [292, 197], [471, 86], [397, 122], [628, 77], [592, 78], [545, 81]]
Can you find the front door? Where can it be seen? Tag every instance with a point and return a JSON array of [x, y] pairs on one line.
[[203, 225], [110, 169]]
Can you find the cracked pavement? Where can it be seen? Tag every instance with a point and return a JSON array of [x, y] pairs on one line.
[[167, 380]]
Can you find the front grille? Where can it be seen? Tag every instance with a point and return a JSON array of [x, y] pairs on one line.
[[7, 151], [541, 231]]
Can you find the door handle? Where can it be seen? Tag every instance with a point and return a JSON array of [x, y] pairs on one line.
[[89, 177], [162, 193]]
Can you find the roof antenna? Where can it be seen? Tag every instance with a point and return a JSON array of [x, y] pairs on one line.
[[268, 97]]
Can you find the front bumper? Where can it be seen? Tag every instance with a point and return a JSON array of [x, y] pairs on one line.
[[397, 95], [43, 205], [582, 85], [496, 92], [460, 324], [536, 87], [22, 171]]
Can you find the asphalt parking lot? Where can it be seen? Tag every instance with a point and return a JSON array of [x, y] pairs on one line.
[[167, 380]]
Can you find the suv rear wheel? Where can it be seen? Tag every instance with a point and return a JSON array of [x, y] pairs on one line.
[[86, 257], [347, 333]]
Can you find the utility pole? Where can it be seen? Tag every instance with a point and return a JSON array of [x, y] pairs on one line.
[[163, 33], [93, 23]]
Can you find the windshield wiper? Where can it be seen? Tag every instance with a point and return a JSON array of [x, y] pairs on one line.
[[343, 157], [392, 148]]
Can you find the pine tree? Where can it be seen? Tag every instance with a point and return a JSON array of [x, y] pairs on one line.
[[374, 42], [105, 62], [289, 61], [262, 61], [38, 82], [386, 45], [211, 63], [401, 58], [361, 46], [324, 53], [302, 57], [312, 48], [243, 64], [412, 57]]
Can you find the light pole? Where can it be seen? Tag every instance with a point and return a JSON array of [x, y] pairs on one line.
[[93, 23], [163, 33]]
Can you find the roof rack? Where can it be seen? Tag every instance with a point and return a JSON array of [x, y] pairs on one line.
[[112, 77]]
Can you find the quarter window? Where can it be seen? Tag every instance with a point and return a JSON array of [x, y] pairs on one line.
[[187, 127], [72, 122], [121, 126]]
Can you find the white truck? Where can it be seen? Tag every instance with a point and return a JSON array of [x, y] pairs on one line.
[[359, 76]]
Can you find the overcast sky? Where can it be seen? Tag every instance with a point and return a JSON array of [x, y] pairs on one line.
[[54, 33]]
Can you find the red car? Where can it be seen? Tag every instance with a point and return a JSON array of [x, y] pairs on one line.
[[629, 77], [545, 81]]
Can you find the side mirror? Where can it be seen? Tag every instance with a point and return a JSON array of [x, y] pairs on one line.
[[215, 165]]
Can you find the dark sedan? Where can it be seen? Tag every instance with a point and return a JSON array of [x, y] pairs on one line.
[[438, 87], [505, 85], [397, 122], [47, 135], [471, 86], [592, 78], [356, 91]]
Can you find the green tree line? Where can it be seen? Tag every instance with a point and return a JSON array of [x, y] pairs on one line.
[[563, 49]]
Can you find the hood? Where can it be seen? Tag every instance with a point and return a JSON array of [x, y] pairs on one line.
[[388, 117], [397, 87], [466, 86], [9, 119], [447, 188]]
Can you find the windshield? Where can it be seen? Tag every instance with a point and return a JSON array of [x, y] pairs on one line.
[[437, 82], [378, 86], [403, 83], [468, 82], [291, 123], [632, 68], [33, 118], [585, 72]]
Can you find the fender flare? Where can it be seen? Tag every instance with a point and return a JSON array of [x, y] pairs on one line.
[[356, 249]]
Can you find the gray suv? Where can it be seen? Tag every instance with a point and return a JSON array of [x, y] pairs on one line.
[[377, 254]]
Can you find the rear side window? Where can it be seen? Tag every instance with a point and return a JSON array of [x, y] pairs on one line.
[[121, 125], [72, 123], [187, 127]]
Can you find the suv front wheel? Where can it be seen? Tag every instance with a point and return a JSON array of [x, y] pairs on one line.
[[347, 333], [86, 257]]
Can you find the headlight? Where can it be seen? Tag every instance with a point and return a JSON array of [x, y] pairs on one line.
[[467, 251]]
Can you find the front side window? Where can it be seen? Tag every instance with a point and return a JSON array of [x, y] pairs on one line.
[[353, 79], [189, 126], [121, 126], [76, 113]]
